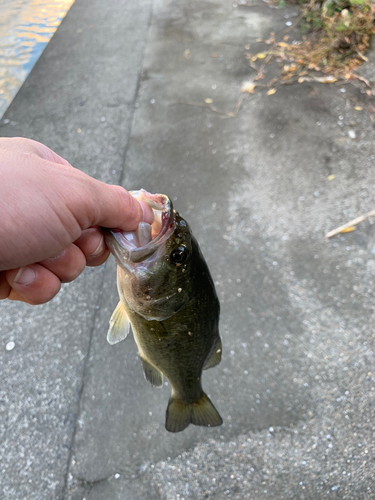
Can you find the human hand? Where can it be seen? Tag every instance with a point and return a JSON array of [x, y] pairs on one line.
[[50, 215]]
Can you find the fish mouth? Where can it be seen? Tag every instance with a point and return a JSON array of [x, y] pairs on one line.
[[140, 244]]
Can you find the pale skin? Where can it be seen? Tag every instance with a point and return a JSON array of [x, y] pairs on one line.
[[50, 215]]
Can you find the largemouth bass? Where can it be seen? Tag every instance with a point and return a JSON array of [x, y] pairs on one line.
[[168, 298]]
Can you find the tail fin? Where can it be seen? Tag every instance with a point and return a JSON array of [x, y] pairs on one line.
[[201, 412]]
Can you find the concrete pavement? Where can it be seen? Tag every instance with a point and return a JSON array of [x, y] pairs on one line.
[[296, 386]]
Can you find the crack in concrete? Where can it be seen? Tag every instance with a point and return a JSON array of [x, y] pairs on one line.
[[91, 484], [136, 93], [92, 329]]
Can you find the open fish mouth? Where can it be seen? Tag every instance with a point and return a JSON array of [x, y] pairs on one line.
[[147, 238]]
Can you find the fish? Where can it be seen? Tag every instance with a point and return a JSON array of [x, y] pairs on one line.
[[168, 300]]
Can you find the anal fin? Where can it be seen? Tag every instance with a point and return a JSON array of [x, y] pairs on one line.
[[215, 356], [119, 325], [152, 374]]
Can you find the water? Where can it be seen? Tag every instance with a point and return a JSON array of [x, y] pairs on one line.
[[26, 26]]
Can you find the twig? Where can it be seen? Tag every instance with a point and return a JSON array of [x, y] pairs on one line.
[[363, 79], [353, 222], [237, 108], [232, 114], [260, 71], [266, 61], [294, 24], [362, 56]]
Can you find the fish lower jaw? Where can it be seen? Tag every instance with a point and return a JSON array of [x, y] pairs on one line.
[[141, 244]]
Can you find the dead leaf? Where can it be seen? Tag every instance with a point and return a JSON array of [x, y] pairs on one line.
[[348, 229], [330, 177], [289, 68], [271, 91], [325, 79], [187, 54], [358, 108], [261, 55], [248, 87], [282, 44], [208, 101]]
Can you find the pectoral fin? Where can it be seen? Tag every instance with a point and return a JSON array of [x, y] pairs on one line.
[[152, 374], [215, 356], [119, 325]]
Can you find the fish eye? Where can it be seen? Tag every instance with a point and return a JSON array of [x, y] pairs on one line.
[[179, 255]]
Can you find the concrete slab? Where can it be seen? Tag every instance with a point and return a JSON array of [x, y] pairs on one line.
[[78, 100]]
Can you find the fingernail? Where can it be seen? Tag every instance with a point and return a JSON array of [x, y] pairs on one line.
[[99, 249], [25, 276]]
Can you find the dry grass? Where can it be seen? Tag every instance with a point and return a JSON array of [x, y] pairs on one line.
[[337, 37]]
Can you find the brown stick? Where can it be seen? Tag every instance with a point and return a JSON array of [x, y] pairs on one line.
[[294, 24], [353, 222], [232, 114]]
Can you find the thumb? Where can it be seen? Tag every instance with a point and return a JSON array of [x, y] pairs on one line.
[[116, 208]]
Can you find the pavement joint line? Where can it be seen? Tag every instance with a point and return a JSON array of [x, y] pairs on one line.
[[99, 302], [136, 93], [84, 373]]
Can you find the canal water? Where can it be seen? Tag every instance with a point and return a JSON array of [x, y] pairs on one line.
[[26, 26]]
